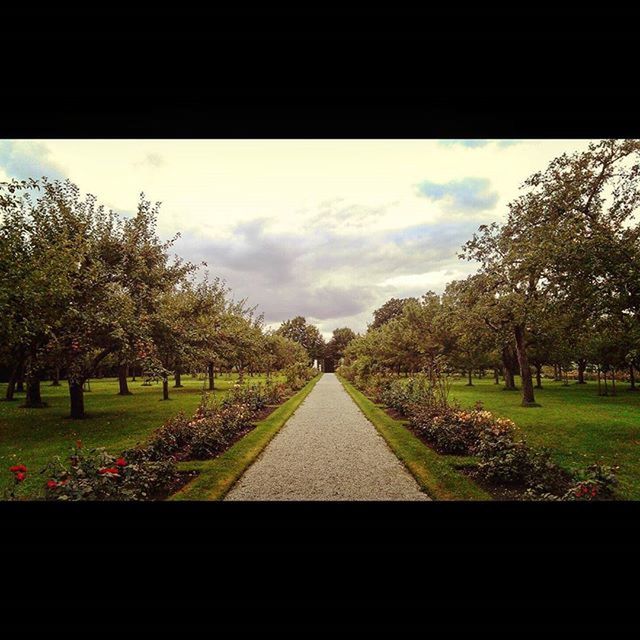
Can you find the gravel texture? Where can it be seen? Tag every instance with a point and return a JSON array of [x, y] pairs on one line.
[[327, 450]]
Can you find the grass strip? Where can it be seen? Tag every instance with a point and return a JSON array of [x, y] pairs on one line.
[[217, 476], [435, 473]]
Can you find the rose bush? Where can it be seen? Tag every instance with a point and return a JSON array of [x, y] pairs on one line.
[[98, 475]]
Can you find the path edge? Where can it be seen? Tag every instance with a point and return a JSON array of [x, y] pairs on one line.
[[434, 474], [217, 477]]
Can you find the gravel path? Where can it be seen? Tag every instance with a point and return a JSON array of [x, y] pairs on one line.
[[327, 450]]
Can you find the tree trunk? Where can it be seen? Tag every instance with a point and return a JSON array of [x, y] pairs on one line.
[[122, 381], [528, 398], [165, 387], [582, 365], [33, 399], [538, 376], [496, 375], [133, 374], [613, 381], [11, 387], [76, 395], [632, 378], [240, 373], [509, 380], [177, 384], [470, 383], [599, 382], [20, 378], [55, 382], [211, 376]]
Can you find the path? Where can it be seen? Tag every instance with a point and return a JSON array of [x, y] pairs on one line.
[[327, 450]]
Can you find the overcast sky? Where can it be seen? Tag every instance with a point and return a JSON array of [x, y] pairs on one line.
[[327, 229]]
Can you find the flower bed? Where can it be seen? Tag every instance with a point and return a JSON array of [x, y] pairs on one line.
[[504, 464], [149, 472]]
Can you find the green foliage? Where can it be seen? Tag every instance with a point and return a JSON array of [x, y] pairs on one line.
[[98, 475], [298, 374], [304, 334]]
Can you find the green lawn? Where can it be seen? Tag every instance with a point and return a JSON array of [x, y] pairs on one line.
[[576, 424], [33, 436]]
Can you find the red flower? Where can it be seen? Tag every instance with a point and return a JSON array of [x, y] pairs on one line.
[[18, 467], [20, 476], [121, 462], [113, 470], [79, 444], [52, 484]]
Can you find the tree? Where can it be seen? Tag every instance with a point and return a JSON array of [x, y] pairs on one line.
[[305, 334], [557, 240], [339, 342], [389, 310]]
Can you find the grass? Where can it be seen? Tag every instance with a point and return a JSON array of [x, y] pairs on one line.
[[34, 436], [436, 474], [578, 426], [217, 476]]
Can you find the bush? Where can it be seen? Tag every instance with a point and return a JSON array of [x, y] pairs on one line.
[[377, 386], [298, 374], [456, 431], [173, 436], [505, 460], [215, 428], [253, 396], [98, 475]]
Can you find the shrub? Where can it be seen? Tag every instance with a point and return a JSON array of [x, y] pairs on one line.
[[98, 475], [377, 386], [420, 389], [298, 374], [505, 460], [347, 372], [173, 436], [253, 396], [275, 392]]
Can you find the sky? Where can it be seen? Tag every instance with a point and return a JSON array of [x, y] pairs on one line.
[[327, 229]]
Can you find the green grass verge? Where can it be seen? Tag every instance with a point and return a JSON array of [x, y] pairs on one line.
[[34, 436], [436, 474], [217, 476]]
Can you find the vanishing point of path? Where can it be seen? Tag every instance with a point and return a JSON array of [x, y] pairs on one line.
[[327, 450]]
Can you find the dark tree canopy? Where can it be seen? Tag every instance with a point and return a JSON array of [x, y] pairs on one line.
[[389, 310], [338, 343]]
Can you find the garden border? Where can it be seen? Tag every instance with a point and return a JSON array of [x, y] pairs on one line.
[[436, 475], [216, 477]]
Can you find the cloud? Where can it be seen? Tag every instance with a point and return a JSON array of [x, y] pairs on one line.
[[153, 159], [328, 276], [477, 143], [469, 143], [22, 159], [460, 196]]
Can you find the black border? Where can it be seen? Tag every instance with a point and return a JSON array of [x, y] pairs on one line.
[[268, 73]]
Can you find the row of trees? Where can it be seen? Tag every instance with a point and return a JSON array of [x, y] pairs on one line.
[[82, 288], [557, 284]]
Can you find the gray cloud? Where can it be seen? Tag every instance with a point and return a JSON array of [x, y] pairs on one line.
[[331, 277], [23, 159], [474, 143], [460, 196]]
